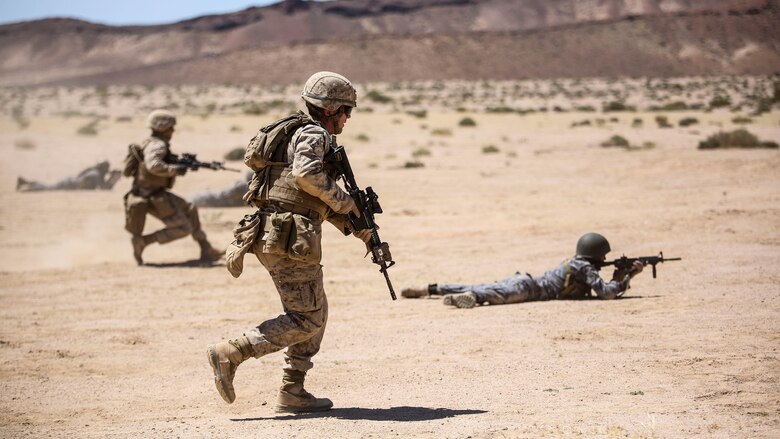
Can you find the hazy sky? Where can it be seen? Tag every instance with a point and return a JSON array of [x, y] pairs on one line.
[[121, 11]]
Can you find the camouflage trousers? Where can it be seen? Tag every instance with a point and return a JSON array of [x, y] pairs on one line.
[[517, 288], [179, 216], [301, 327]]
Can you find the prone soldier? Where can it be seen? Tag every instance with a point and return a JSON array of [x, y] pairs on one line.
[[97, 177], [574, 278]]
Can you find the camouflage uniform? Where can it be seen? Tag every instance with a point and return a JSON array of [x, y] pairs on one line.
[[91, 178], [295, 194], [300, 284], [574, 278], [571, 279], [150, 194]]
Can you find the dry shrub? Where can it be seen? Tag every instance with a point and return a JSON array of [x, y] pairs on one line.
[[89, 129], [740, 138], [467, 122], [420, 152], [26, 144], [616, 140]]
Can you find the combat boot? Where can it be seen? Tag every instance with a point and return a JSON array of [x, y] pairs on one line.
[[414, 293], [139, 244], [462, 300], [293, 398], [209, 253], [224, 358]]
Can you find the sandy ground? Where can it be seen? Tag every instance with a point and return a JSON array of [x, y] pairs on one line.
[[93, 346]]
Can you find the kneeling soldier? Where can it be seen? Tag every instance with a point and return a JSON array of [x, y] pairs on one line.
[[152, 179]]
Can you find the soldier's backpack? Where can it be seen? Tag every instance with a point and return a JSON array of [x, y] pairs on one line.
[[262, 150], [133, 159]]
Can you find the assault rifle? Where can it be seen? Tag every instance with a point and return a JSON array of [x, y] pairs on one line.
[[192, 163], [367, 202], [625, 263]]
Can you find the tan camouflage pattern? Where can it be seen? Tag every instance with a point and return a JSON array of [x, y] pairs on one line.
[[329, 91], [182, 222], [161, 120], [300, 284], [308, 147], [302, 325], [150, 186]]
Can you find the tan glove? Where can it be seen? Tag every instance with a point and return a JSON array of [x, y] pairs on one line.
[[350, 207], [363, 235], [180, 169]]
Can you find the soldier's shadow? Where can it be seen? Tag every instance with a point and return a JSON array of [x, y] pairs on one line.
[[402, 414], [191, 263]]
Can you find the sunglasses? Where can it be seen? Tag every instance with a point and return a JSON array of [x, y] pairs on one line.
[[347, 110]]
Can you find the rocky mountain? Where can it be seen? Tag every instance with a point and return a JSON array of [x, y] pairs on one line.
[[393, 40]]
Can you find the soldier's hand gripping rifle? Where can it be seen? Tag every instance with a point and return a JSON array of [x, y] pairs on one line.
[[192, 163], [625, 263], [367, 202]]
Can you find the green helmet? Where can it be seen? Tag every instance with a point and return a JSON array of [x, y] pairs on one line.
[[161, 120], [329, 91], [593, 246]]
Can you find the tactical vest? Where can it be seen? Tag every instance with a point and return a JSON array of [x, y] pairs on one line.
[[145, 180], [573, 288], [280, 188]]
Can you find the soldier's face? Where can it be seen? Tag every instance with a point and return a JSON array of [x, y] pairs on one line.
[[167, 134], [344, 114]]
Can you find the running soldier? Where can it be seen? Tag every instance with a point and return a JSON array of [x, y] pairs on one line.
[[574, 278], [294, 191], [153, 176], [96, 177]]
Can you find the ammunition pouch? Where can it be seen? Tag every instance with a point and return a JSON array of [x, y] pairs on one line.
[[276, 233], [293, 235], [572, 288], [135, 213]]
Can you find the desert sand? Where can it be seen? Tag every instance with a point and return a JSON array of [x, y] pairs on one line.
[[93, 346]]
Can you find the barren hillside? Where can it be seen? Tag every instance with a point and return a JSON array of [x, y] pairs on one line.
[[405, 40]]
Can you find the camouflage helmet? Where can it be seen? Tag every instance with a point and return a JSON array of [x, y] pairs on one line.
[[329, 91], [593, 246], [161, 120]]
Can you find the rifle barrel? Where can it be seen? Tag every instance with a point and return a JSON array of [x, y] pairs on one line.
[[387, 279]]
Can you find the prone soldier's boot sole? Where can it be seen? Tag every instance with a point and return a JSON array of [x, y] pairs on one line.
[[462, 300], [223, 373]]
